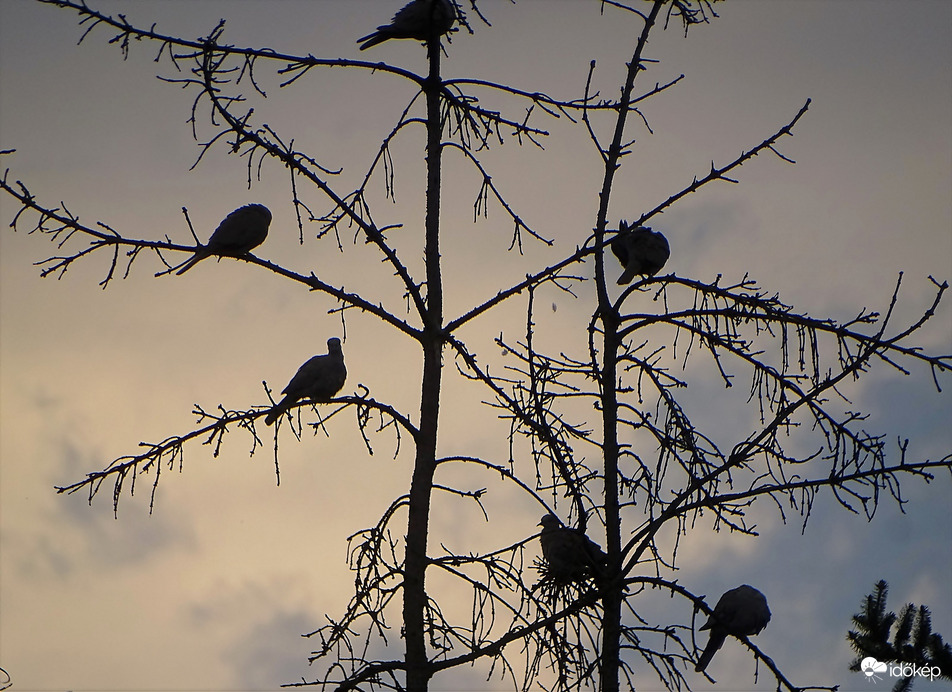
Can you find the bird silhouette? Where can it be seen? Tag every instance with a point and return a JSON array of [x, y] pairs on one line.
[[421, 20], [570, 555], [238, 234], [321, 377], [739, 612], [640, 251]]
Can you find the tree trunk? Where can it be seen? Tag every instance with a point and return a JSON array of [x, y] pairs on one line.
[[611, 603], [414, 597]]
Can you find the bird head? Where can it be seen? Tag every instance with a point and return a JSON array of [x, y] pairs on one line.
[[333, 345], [550, 521]]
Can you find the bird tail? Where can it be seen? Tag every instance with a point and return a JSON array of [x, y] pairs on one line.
[[713, 644], [277, 411], [191, 263], [630, 271], [371, 40]]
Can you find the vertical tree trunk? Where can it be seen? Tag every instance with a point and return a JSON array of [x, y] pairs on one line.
[[414, 596], [611, 603]]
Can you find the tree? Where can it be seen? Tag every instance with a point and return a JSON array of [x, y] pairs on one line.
[[655, 470], [913, 640]]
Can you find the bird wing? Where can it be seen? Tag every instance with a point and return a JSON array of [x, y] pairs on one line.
[[628, 249], [409, 22], [655, 252], [620, 249], [565, 555], [319, 378], [305, 377], [569, 553], [640, 251], [423, 18], [411, 17], [594, 551], [418, 19], [741, 611], [241, 231], [752, 613]]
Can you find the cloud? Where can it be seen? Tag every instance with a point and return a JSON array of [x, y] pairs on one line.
[[215, 588]]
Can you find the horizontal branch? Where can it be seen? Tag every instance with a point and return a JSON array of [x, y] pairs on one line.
[[834, 480], [95, 18], [171, 448], [721, 173], [69, 225]]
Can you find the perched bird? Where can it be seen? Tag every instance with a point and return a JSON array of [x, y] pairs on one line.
[[740, 612], [238, 234], [319, 378], [570, 555], [640, 251], [420, 20]]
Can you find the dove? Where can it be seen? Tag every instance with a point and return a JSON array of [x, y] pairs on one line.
[[240, 232], [319, 378], [420, 20], [570, 555], [740, 612], [640, 251]]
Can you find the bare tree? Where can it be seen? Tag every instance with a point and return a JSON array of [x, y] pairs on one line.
[[638, 482]]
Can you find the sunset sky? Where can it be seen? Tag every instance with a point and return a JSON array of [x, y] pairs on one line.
[[213, 589]]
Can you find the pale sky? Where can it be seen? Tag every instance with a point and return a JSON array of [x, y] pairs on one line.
[[213, 590]]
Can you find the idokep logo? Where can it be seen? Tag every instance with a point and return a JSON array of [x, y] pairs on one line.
[[874, 670]]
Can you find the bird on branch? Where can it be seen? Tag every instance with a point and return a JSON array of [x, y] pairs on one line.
[[739, 612], [319, 378], [640, 251], [570, 555], [421, 20], [238, 234]]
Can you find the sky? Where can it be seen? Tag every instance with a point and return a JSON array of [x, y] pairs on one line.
[[213, 589]]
